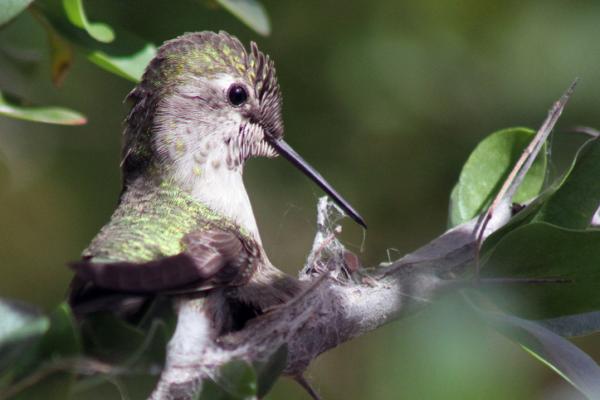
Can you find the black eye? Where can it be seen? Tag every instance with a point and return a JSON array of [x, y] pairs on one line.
[[237, 95]]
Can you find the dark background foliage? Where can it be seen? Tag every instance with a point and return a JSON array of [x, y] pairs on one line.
[[385, 98]]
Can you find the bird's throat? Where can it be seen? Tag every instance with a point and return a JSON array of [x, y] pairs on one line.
[[222, 190], [208, 167]]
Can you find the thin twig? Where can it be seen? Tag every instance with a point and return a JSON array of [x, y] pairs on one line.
[[307, 386], [587, 130], [517, 174]]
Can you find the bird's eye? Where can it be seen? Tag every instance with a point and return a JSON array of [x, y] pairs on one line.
[[237, 95]]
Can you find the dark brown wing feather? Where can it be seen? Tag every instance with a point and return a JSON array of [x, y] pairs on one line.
[[213, 257]]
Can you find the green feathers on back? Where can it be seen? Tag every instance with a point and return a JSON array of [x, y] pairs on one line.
[[150, 222]]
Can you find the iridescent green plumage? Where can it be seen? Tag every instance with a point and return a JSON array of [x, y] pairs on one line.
[[150, 223]]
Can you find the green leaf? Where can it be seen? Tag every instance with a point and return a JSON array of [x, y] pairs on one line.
[[44, 373], [110, 338], [539, 250], [12, 8], [562, 356], [152, 351], [19, 321], [238, 378], [139, 351], [62, 339], [236, 381], [250, 12], [129, 66], [76, 14], [126, 57], [268, 372], [571, 208], [573, 205], [20, 327], [160, 308], [486, 169], [212, 391], [49, 115]]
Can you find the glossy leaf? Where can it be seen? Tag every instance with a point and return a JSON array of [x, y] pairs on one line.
[[212, 391], [19, 321], [573, 205], [11, 8], [236, 381], [454, 212], [250, 12], [20, 326], [76, 14], [539, 250], [113, 339], [126, 57], [61, 342], [127, 347], [486, 169], [110, 338], [161, 308], [238, 378], [49, 115], [62, 339], [268, 372], [129, 66], [152, 351], [562, 356]]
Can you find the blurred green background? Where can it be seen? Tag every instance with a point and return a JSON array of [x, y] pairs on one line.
[[386, 98]]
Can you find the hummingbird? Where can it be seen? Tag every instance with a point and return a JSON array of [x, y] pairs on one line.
[[184, 222]]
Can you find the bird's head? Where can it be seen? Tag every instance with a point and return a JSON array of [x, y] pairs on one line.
[[204, 102]]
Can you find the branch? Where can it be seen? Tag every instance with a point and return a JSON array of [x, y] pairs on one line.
[[339, 305], [343, 301]]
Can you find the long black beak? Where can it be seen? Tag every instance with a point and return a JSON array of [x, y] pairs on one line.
[[286, 151]]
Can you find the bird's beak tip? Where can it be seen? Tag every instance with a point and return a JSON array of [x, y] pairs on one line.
[[283, 149]]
